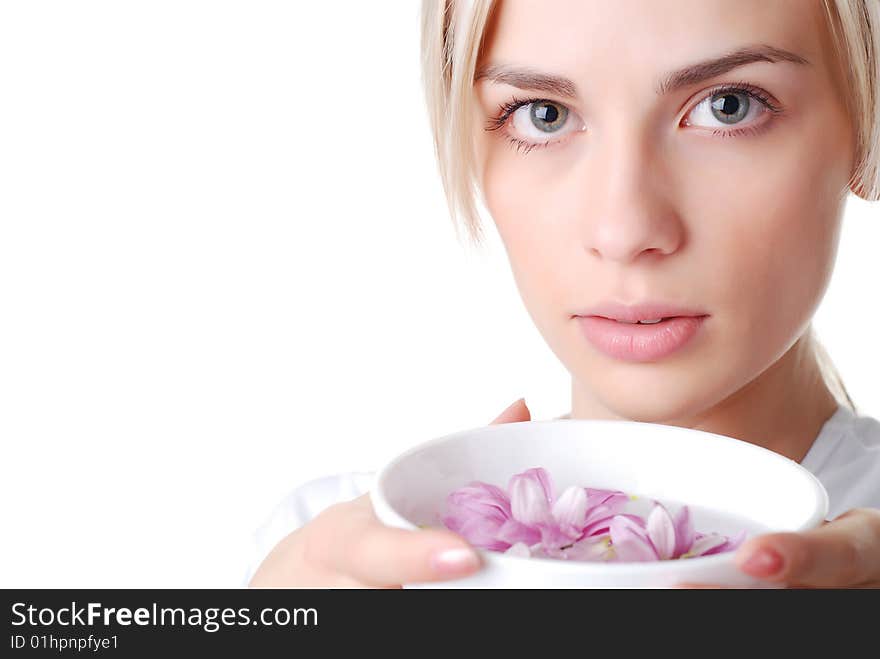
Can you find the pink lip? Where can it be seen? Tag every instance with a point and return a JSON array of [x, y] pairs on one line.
[[634, 312], [637, 342]]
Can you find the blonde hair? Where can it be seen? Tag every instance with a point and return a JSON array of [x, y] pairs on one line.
[[452, 35]]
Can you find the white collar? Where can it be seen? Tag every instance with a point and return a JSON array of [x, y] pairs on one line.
[[830, 434]]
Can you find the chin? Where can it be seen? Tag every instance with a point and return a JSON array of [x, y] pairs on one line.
[[654, 393], [647, 409]]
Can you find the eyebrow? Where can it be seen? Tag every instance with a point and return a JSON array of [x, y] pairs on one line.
[[530, 79]]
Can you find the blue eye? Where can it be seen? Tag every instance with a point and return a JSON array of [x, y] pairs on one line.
[[730, 108], [534, 120], [547, 116], [739, 105]]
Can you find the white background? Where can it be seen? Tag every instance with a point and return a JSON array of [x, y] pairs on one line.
[[226, 267]]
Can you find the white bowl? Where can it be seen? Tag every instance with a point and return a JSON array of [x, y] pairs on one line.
[[729, 485]]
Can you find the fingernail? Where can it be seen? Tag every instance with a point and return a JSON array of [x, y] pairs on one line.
[[763, 563], [454, 561]]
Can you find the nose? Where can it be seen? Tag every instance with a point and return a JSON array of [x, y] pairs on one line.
[[630, 212]]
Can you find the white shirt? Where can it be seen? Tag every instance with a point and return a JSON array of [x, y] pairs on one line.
[[845, 457]]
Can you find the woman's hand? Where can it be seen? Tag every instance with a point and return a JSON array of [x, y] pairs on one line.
[[842, 553], [346, 546]]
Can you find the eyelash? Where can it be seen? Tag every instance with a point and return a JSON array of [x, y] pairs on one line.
[[505, 110]]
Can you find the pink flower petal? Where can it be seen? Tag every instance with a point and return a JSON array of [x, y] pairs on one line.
[[513, 531], [706, 544], [729, 545], [476, 512], [684, 531], [520, 549], [483, 492], [478, 530], [630, 541], [552, 535], [599, 524], [531, 497], [661, 531], [540, 476], [613, 499], [570, 510], [597, 548]]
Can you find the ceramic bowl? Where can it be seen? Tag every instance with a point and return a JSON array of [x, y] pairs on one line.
[[728, 484]]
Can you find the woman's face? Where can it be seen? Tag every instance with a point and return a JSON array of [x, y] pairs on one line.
[[686, 195]]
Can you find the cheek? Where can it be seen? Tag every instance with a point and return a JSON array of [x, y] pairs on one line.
[[771, 233], [526, 216]]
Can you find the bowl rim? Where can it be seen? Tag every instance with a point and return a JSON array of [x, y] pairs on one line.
[[385, 511]]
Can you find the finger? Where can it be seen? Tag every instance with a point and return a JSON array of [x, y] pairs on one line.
[[518, 411], [360, 546], [842, 553]]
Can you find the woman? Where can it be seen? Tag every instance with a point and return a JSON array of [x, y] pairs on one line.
[[668, 179]]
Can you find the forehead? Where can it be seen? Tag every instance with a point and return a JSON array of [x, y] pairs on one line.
[[644, 38]]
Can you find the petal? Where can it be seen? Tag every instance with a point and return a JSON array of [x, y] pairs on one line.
[[735, 541], [480, 496], [598, 526], [513, 531], [570, 509], [629, 541], [613, 499], [598, 512], [601, 525], [706, 544], [554, 536], [597, 548], [729, 545], [661, 531], [520, 549], [550, 551], [540, 476], [479, 531], [546, 482], [529, 500], [476, 512], [684, 531]]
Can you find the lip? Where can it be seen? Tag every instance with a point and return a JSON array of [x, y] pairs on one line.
[[642, 311], [635, 342]]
